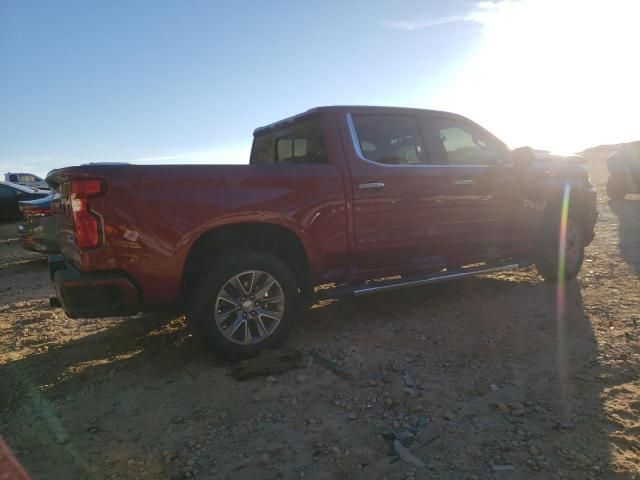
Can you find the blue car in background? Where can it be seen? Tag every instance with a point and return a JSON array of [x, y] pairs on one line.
[[39, 232], [624, 171], [11, 194]]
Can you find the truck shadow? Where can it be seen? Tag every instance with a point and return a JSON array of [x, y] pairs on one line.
[[461, 338], [628, 212], [531, 341]]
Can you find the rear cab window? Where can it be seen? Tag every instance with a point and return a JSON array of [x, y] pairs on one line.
[[300, 143], [389, 139]]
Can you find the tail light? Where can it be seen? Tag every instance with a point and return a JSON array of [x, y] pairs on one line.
[[36, 211], [85, 223]]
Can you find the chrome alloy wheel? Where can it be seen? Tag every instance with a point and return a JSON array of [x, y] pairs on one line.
[[249, 307]]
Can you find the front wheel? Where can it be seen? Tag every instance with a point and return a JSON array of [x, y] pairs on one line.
[[246, 303], [553, 262]]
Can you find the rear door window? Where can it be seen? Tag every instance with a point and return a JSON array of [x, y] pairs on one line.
[[298, 144], [390, 139]]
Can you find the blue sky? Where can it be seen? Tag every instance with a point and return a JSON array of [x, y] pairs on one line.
[[188, 81]]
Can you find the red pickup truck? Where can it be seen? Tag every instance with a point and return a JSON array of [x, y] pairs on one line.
[[361, 199]]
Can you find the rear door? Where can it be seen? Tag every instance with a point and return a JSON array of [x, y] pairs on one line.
[[481, 189]]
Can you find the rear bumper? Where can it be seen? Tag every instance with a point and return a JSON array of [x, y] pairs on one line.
[[90, 295]]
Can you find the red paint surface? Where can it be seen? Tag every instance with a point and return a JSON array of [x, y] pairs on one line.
[[152, 215]]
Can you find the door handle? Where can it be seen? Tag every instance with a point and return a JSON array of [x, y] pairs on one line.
[[463, 182], [371, 186]]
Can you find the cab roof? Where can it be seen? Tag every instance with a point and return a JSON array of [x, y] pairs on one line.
[[344, 108]]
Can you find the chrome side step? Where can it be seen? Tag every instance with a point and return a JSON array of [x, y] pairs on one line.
[[440, 277], [413, 281]]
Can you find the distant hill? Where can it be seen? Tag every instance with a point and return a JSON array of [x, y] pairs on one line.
[[602, 151]]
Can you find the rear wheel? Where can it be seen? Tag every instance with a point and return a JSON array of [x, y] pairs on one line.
[[616, 187], [552, 262], [246, 303]]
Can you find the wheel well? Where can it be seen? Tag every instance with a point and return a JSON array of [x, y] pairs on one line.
[[578, 207], [271, 238]]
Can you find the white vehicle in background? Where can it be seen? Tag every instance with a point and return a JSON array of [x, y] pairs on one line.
[[26, 179]]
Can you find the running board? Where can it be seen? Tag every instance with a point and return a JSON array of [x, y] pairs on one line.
[[413, 281]]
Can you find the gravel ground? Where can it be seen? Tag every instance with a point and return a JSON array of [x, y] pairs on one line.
[[477, 379]]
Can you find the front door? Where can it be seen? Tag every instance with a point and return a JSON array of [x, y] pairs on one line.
[[482, 190]]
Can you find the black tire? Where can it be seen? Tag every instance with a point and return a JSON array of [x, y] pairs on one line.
[[206, 302], [616, 187], [548, 254]]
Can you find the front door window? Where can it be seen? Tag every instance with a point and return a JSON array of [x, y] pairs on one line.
[[466, 145]]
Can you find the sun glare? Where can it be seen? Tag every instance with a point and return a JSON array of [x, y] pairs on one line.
[[559, 75]]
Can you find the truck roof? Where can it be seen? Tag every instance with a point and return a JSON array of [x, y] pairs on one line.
[[325, 108]]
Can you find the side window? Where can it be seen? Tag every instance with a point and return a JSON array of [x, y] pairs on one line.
[[465, 145], [291, 150], [25, 177], [299, 144], [390, 139], [13, 178]]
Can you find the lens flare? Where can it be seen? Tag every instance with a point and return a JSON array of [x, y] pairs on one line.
[[562, 246], [561, 300]]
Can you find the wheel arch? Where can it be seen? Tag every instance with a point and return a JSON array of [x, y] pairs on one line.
[[274, 238], [578, 203]]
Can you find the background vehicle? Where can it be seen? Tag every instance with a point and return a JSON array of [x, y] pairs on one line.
[[336, 195], [27, 180], [11, 194], [39, 232], [624, 171]]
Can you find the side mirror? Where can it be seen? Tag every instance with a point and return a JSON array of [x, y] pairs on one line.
[[522, 157]]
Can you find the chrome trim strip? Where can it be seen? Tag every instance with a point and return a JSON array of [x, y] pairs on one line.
[[435, 279], [370, 186], [354, 138]]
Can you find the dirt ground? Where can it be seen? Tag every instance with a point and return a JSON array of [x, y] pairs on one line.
[[478, 379]]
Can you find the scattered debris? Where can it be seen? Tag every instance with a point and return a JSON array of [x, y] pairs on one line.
[[408, 379], [269, 363], [168, 412], [329, 364], [405, 454]]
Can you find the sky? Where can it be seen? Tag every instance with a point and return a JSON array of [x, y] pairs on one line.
[[162, 81]]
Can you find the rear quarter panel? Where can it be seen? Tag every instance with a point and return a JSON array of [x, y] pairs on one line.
[[152, 215]]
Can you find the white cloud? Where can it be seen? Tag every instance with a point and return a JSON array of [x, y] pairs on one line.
[[480, 13], [419, 24]]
